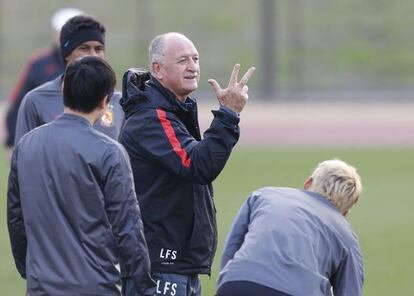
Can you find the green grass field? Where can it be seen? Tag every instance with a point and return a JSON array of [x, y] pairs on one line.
[[382, 219]]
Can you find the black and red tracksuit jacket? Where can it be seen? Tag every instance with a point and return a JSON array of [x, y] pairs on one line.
[[173, 168], [43, 66]]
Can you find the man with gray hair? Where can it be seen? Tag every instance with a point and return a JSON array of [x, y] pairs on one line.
[[297, 242], [173, 165]]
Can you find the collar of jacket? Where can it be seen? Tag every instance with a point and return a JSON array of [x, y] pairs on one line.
[[74, 118], [142, 91], [176, 104]]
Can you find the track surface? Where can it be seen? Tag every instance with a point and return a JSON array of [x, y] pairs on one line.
[[316, 125]]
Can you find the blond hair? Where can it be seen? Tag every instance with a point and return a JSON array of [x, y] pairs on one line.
[[339, 182]]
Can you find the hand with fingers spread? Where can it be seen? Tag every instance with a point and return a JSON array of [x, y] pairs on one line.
[[235, 95]]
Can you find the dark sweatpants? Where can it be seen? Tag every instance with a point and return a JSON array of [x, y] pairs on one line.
[[244, 288], [168, 284]]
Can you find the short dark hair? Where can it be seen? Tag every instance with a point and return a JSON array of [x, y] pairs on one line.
[[87, 82], [86, 25]]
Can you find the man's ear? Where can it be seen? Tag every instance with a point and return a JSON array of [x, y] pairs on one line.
[[104, 103], [156, 69], [308, 183]]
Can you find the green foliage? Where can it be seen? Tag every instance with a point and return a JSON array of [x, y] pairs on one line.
[[319, 44]]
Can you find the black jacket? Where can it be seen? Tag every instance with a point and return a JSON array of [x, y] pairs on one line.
[[173, 169], [43, 66]]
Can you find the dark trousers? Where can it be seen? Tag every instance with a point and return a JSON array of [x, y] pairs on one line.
[[170, 284], [244, 288]]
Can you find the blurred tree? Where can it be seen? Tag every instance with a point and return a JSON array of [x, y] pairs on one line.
[[1, 47], [296, 40], [268, 47]]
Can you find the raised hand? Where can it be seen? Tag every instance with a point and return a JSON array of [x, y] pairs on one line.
[[235, 95]]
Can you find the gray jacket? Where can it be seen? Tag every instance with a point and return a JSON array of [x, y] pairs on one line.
[[72, 212], [293, 241], [45, 103]]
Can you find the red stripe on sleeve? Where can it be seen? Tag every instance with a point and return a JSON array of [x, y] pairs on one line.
[[19, 85], [23, 77], [172, 138]]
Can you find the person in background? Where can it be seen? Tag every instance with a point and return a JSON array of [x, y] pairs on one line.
[[43, 66], [287, 242], [173, 165], [80, 36], [73, 216]]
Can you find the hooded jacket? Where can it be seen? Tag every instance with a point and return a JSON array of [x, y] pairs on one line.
[[173, 168]]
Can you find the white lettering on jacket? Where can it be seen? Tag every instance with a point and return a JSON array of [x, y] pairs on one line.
[[168, 289], [168, 254]]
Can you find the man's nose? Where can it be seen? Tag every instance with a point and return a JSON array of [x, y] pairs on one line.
[[193, 66]]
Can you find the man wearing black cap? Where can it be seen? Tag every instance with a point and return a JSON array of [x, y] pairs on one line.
[[81, 35]]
